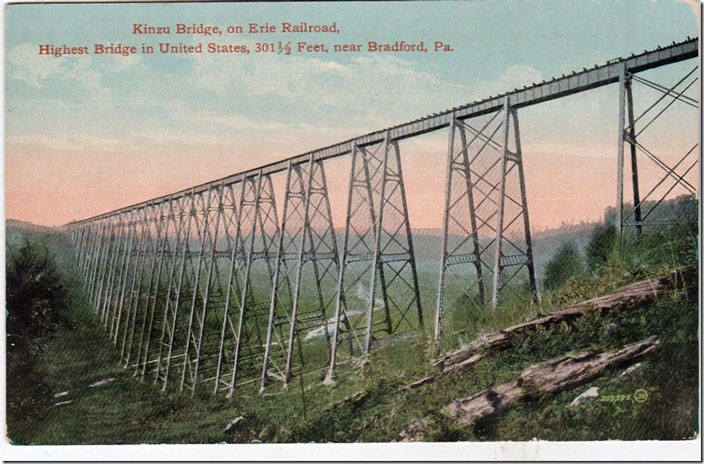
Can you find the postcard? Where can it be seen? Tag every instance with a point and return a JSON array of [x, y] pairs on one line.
[[432, 230]]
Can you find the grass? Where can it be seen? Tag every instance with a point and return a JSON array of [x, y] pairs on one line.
[[368, 403]]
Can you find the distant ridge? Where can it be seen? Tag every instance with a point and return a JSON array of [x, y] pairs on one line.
[[564, 228], [28, 226]]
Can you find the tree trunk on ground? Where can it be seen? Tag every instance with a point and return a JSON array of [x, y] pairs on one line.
[[549, 377], [639, 293]]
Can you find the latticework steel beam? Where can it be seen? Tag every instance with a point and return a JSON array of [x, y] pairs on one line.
[[303, 293], [674, 175], [243, 336], [486, 228], [378, 255]]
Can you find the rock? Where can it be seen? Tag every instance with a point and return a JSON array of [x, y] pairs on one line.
[[611, 328], [100, 383], [413, 432], [233, 424], [330, 381], [352, 401], [268, 433], [356, 399], [629, 372], [587, 395]]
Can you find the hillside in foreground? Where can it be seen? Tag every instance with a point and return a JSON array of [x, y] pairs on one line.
[[80, 395]]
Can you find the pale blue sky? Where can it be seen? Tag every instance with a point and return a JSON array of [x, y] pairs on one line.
[[550, 37], [240, 111]]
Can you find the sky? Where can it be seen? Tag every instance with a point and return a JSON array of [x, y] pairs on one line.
[[88, 134]]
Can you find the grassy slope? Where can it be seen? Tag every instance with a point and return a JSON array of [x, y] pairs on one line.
[[127, 411]]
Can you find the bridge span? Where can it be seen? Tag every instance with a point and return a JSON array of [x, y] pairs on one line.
[[216, 286]]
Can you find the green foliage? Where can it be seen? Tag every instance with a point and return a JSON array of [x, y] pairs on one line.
[[369, 402], [35, 292], [664, 249], [36, 297], [669, 376], [566, 264], [602, 243]]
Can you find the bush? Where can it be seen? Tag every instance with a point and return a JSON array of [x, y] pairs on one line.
[[601, 245], [35, 298], [35, 292], [566, 264]]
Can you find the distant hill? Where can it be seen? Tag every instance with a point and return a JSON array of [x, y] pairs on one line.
[[25, 225], [16, 231], [427, 241]]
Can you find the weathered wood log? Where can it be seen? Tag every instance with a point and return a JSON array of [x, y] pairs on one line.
[[413, 432], [639, 293], [549, 377], [353, 401], [420, 382]]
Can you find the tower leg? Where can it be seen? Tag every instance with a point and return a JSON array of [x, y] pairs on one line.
[[630, 137], [519, 256], [621, 141]]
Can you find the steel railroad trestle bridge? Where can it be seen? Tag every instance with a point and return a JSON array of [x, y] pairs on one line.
[[211, 287]]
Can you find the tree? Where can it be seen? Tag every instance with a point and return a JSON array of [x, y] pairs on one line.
[[566, 264], [36, 297], [601, 245]]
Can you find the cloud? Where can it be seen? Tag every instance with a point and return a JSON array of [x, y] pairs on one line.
[[27, 65], [236, 121], [71, 142], [307, 101], [516, 76], [83, 72], [161, 136], [374, 90], [315, 101], [121, 63], [361, 82], [49, 104], [314, 96], [124, 142]]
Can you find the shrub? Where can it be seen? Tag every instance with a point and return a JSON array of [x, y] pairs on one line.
[[566, 264], [35, 292], [601, 245], [35, 298]]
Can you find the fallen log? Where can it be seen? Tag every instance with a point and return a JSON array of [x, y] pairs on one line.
[[638, 293], [548, 377]]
